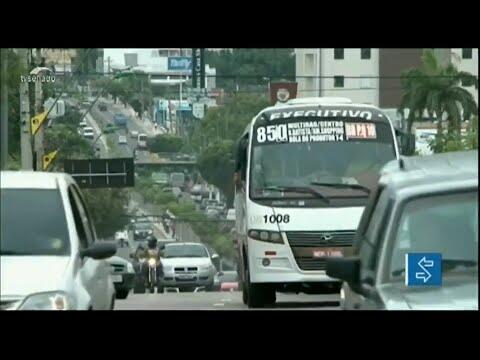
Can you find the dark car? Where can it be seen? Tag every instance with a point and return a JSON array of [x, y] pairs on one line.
[[122, 274], [422, 205], [142, 230], [102, 106]]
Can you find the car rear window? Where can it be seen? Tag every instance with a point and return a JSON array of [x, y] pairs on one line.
[[33, 222]]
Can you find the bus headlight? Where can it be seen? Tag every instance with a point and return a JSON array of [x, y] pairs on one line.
[[265, 235]]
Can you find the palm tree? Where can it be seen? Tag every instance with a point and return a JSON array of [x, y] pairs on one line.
[[438, 90]]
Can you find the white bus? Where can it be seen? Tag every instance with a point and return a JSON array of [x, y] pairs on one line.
[[304, 173]]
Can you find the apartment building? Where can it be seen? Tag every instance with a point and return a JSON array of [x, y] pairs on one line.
[[466, 59], [368, 75]]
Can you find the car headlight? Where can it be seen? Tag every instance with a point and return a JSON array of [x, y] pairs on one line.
[[55, 300], [168, 268], [205, 267], [130, 267], [152, 262], [264, 235]]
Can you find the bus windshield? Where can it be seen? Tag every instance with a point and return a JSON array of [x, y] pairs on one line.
[[307, 157]]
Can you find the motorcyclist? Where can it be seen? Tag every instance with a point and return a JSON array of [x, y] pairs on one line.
[[151, 250]]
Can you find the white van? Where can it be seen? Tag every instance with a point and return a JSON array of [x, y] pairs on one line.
[[142, 141]]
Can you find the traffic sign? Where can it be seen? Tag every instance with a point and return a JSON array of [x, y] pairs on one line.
[[48, 159], [198, 110], [102, 173], [37, 121], [423, 269]]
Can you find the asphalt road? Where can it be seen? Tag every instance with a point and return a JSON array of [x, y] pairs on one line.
[[222, 301]]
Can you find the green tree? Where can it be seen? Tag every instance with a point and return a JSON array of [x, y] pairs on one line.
[[108, 208], [438, 90], [229, 121], [217, 134], [70, 144], [165, 143], [13, 78], [447, 142], [251, 66], [216, 164]]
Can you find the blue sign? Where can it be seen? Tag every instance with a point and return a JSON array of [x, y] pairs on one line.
[[181, 63], [423, 269]]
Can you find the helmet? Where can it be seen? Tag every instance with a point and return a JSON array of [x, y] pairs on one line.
[[152, 242]]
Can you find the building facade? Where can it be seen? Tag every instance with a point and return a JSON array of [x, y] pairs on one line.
[[369, 75], [167, 66]]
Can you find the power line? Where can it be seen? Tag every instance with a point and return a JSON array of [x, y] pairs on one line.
[[267, 77]]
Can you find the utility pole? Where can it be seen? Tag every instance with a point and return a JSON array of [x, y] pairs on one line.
[[25, 131], [38, 139], [180, 105], [4, 110]]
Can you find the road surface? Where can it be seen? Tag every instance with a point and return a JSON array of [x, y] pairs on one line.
[[222, 301]]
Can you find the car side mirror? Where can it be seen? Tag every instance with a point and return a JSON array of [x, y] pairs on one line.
[[162, 247], [99, 250], [220, 273], [346, 269], [131, 256]]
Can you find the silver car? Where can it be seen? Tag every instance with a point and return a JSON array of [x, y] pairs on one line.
[[422, 205], [187, 266]]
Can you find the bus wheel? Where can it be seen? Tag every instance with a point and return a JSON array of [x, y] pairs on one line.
[[244, 294], [258, 295]]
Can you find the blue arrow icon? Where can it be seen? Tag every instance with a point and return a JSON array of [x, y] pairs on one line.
[[425, 274], [423, 269]]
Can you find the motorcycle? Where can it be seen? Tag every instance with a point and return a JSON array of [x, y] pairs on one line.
[[152, 270], [148, 279]]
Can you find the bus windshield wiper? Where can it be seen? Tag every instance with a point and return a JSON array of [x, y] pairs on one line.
[[298, 189], [341, 185]]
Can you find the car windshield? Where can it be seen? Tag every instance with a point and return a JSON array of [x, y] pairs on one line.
[[175, 251], [446, 224], [143, 226], [142, 137], [308, 164], [33, 222]]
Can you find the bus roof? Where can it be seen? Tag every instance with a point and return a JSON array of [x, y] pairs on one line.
[[316, 104]]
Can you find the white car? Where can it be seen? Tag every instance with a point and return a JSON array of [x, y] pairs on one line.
[[122, 140], [187, 266], [133, 134], [82, 124], [88, 133], [231, 215], [51, 259], [142, 141]]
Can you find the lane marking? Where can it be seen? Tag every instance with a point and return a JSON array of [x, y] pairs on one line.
[[219, 304]]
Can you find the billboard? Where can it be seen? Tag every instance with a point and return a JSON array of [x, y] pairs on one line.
[[102, 173], [180, 63]]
